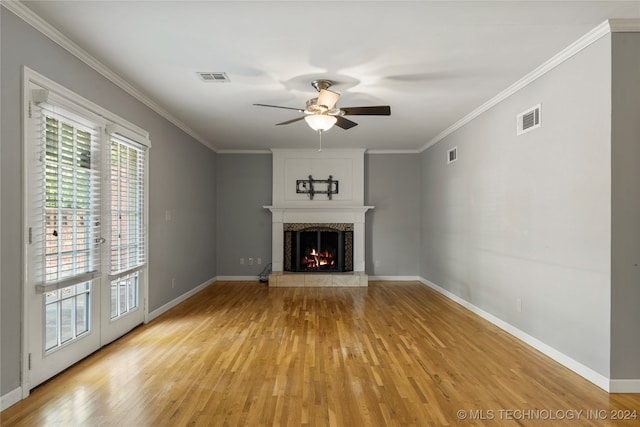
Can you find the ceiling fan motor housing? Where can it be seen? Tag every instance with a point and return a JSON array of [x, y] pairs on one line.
[[321, 84]]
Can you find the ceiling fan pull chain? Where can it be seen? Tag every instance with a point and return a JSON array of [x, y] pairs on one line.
[[320, 132]]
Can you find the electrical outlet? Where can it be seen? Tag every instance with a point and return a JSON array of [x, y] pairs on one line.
[[377, 263], [259, 261], [241, 261], [250, 261], [519, 305], [167, 215], [173, 282]]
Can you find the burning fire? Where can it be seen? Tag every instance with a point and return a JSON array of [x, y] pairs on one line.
[[316, 260]]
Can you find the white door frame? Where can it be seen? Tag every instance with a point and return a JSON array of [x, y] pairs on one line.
[[28, 77]]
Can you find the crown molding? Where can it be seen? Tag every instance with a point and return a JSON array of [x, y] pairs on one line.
[[240, 151], [592, 36], [407, 151], [31, 18], [312, 150], [230, 151], [624, 25]]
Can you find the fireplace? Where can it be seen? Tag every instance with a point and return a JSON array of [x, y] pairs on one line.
[[318, 247], [318, 241]]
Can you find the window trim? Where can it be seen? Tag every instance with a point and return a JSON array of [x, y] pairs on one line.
[[76, 103]]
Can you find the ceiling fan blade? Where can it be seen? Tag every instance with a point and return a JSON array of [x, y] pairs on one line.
[[290, 121], [278, 106], [379, 110], [344, 123], [327, 98]]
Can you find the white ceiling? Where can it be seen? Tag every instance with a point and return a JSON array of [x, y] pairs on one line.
[[433, 62]]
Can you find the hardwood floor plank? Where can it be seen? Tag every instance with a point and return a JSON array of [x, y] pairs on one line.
[[392, 354]]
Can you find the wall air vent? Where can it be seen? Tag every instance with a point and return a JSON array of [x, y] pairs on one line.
[[528, 120], [214, 77], [452, 155]]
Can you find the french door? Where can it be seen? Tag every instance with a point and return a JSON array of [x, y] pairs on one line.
[[85, 217], [121, 302]]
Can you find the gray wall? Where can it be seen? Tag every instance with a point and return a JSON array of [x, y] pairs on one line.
[[529, 217], [625, 207], [244, 226], [182, 182], [392, 185], [10, 274], [183, 248]]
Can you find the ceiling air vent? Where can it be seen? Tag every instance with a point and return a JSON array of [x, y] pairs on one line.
[[452, 155], [529, 120], [214, 77]]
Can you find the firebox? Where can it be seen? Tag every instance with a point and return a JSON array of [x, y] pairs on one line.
[[318, 247]]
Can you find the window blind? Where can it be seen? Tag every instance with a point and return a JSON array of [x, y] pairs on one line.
[[128, 228], [67, 196]]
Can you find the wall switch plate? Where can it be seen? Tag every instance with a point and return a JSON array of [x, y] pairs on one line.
[[241, 261], [519, 305], [250, 261], [259, 261], [173, 282]]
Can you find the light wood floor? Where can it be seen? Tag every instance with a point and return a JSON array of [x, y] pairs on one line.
[[396, 353]]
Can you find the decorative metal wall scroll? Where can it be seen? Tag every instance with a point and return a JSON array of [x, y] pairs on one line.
[[317, 186]]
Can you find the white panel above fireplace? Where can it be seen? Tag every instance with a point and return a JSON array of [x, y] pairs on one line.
[[344, 166]]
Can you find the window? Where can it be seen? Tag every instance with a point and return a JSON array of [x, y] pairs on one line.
[[66, 315], [127, 223], [70, 199]]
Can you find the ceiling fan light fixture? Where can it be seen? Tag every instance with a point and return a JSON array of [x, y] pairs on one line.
[[320, 122], [321, 112]]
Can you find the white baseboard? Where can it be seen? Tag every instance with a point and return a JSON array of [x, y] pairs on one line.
[[11, 398], [237, 278], [624, 386], [395, 278], [256, 278], [158, 311], [577, 367]]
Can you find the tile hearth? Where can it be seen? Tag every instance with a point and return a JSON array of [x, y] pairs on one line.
[[281, 279]]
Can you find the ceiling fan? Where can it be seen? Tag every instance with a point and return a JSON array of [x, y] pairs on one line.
[[321, 113]]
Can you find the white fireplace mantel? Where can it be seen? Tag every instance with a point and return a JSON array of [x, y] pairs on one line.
[[323, 213]]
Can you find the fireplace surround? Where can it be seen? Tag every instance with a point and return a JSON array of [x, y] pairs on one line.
[[339, 220], [321, 217]]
